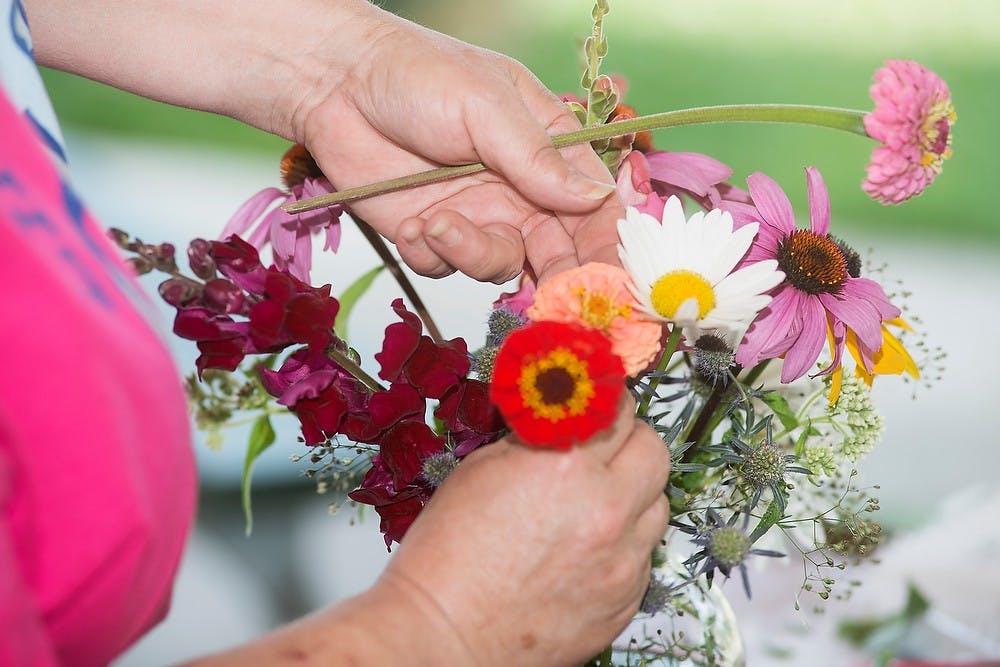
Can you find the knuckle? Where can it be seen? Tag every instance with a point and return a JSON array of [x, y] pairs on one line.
[[607, 525]]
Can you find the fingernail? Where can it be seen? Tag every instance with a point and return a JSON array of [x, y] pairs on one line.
[[587, 187], [445, 232]]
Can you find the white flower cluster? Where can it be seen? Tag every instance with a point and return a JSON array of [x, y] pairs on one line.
[[864, 423]]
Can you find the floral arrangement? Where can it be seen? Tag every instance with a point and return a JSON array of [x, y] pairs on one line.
[[728, 325]]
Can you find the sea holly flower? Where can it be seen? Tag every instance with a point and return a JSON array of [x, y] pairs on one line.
[[912, 119], [682, 269], [822, 286], [597, 296], [724, 546], [557, 383], [290, 235]]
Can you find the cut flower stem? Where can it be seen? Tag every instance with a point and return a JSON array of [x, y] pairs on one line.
[[668, 351], [848, 120]]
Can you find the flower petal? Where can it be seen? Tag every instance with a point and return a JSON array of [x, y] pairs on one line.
[[819, 202], [772, 202], [805, 351]]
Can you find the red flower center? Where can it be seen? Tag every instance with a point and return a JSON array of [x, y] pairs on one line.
[[812, 263]]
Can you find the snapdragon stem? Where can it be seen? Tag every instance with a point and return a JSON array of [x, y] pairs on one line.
[[351, 367], [848, 120], [378, 243], [654, 382]]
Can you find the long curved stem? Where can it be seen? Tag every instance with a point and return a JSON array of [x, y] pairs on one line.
[[847, 120], [378, 243]]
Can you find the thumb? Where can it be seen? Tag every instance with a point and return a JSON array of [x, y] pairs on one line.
[[515, 143]]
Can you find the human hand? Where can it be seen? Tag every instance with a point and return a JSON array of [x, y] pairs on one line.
[[538, 557], [412, 100]]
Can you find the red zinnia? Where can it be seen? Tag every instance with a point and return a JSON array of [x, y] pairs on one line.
[[557, 383]]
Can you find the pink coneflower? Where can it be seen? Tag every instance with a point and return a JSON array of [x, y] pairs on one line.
[[647, 180], [290, 235], [912, 119], [822, 288]]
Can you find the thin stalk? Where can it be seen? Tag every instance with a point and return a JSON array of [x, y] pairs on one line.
[[378, 243], [595, 49], [847, 120], [668, 351], [712, 413], [348, 365]]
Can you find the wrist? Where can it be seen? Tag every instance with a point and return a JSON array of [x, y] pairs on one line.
[[392, 622]]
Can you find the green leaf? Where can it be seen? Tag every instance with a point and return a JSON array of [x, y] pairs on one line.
[[800, 442], [780, 407], [772, 515], [261, 437], [350, 297]]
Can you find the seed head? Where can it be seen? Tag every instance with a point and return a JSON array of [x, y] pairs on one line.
[[728, 546], [764, 465], [437, 467]]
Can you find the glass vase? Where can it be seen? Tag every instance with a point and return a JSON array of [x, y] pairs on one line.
[[697, 626]]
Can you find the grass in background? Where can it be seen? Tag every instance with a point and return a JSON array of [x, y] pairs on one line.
[[673, 69]]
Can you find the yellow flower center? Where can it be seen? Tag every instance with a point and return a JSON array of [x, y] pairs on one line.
[[556, 385], [598, 309], [676, 287], [935, 134]]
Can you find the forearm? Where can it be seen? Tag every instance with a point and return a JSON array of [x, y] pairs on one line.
[[389, 624], [252, 60]]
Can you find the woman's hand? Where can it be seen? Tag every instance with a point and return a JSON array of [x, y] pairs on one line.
[[412, 100], [539, 557]]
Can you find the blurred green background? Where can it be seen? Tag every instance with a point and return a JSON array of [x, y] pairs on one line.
[[677, 55]]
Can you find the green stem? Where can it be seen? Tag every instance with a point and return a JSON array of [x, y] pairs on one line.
[[712, 413], [596, 46], [605, 658], [668, 351], [378, 243], [348, 365], [848, 120]]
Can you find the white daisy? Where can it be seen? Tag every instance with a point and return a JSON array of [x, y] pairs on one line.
[[682, 269]]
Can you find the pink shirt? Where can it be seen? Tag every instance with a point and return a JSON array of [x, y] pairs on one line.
[[97, 484]]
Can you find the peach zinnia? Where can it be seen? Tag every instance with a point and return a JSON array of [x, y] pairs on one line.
[[596, 296]]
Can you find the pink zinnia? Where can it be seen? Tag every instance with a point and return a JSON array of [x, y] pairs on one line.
[[290, 235], [912, 119], [822, 290]]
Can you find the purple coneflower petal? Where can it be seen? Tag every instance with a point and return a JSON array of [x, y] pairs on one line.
[[804, 353], [251, 209], [859, 315], [777, 317], [872, 292], [819, 202], [693, 172], [772, 202]]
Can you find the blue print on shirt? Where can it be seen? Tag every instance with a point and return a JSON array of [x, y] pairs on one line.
[[19, 28]]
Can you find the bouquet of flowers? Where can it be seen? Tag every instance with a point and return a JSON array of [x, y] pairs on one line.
[[728, 324]]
